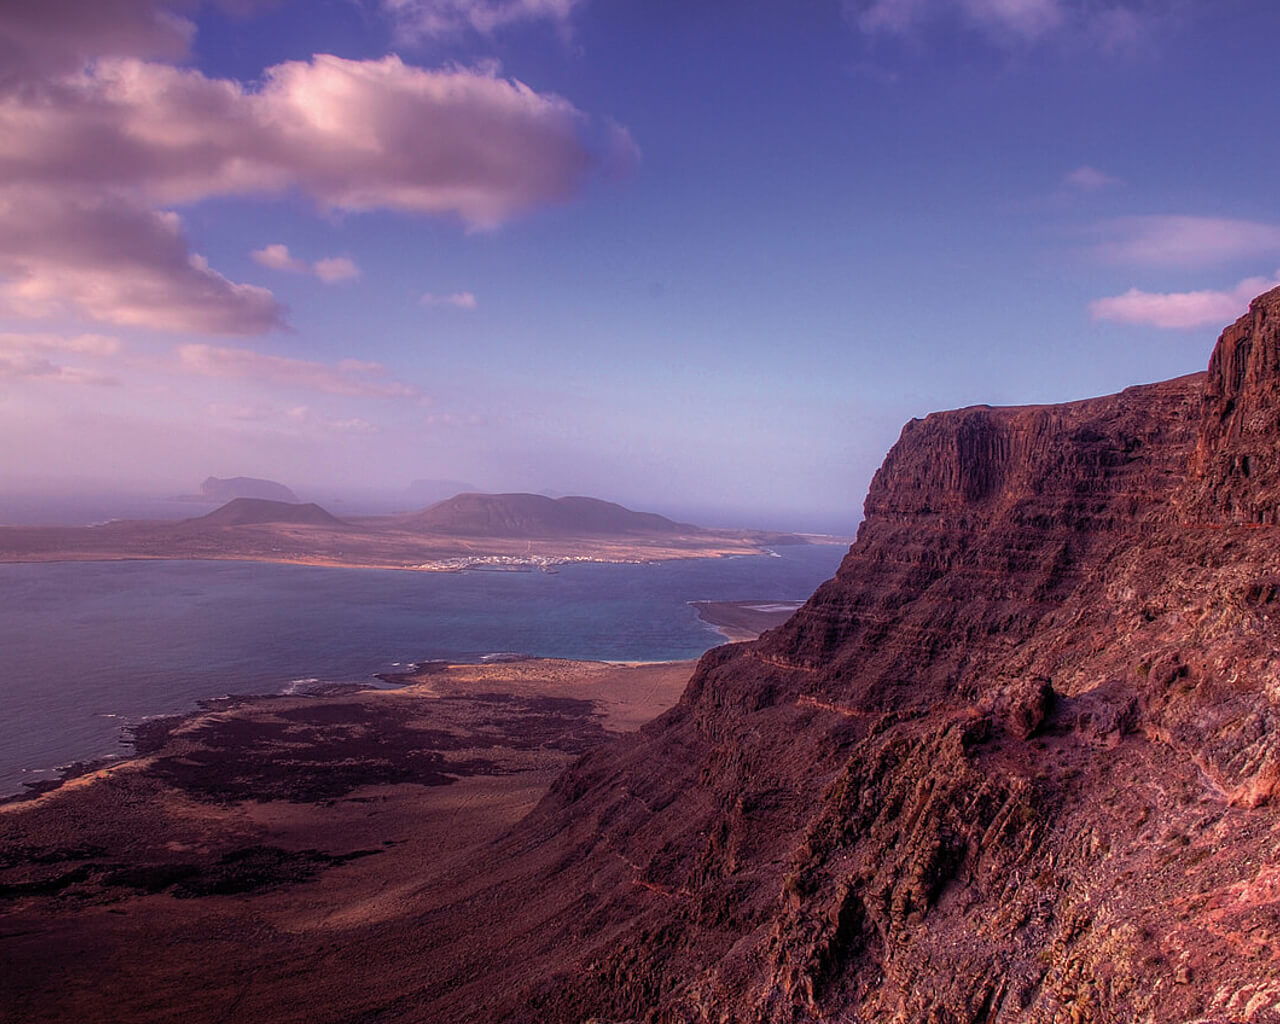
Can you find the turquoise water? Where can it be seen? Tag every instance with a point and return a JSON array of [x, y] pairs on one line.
[[88, 647]]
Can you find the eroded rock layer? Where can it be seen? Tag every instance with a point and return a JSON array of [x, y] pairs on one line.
[[1015, 762]]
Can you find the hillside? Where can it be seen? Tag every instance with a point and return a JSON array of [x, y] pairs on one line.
[[1014, 763], [259, 512], [533, 515]]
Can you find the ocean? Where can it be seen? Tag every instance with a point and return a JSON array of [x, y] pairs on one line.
[[87, 648]]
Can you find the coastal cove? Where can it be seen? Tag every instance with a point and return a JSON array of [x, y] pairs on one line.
[[87, 649]]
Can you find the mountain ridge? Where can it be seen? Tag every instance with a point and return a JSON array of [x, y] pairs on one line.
[[1010, 764]]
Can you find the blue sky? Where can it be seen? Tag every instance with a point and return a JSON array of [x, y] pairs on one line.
[[699, 258]]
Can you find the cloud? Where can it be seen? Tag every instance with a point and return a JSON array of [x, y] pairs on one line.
[[1184, 241], [1182, 310], [330, 270], [443, 19], [353, 134], [335, 268], [276, 256], [1110, 24], [1089, 179], [349, 377], [26, 355], [44, 38], [116, 261], [39, 38], [460, 300], [86, 344], [293, 419], [1023, 19]]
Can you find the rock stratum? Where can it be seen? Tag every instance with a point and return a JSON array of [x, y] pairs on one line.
[[1017, 762]]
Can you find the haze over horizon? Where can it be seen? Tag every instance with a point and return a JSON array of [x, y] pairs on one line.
[[696, 259]]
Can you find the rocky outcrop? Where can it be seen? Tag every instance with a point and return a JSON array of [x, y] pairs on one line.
[[1237, 459], [1015, 762]]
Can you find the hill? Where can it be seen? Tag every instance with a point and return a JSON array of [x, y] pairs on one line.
[[220, 489], [1017, 761], [259, 512], [534, 515]]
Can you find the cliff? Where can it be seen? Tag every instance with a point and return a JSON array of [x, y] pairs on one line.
[[1015, 762]]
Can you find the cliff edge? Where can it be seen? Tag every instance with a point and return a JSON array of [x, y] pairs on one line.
[[1017, 761]]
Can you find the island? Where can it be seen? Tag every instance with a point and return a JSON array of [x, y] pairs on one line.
[[501, 532]]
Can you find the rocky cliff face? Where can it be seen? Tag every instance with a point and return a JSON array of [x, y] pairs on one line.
[[1016, 762]]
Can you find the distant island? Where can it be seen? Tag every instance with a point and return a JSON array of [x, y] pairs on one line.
[[505, 532], [216, 490]]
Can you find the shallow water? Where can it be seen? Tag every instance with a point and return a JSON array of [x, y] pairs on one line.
[[87, 647]]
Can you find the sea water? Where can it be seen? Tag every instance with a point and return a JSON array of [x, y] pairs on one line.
[[86, 648]]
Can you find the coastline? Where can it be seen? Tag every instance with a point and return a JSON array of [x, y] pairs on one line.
[[740, 621], [354, 548], [256, 839]]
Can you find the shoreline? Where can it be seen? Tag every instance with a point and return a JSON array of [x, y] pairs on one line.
[[151, 883], [742, 621], [138, 734]]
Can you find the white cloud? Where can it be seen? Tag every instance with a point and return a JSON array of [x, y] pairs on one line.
[[335, 268], [1182, 310], [459, 300], [118, 262], [294, 419], [1184, 241], [1089, 179], [436, 19], [1109, 24], [330, 270], [349, 377]]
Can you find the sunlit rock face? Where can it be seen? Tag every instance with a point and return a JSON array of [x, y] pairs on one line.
[[1015, 762]]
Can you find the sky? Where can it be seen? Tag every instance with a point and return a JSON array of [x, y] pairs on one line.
[[699, 258]]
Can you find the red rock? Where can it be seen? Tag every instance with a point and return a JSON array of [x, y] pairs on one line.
[[1012, 763]]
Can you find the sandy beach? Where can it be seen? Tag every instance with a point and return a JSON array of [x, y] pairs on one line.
[[744, 620]]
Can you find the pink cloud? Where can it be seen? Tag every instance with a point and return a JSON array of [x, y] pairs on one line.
[[355, 135], [330, 270], [459, 300], [1182, 310], [118, 262], [1185, 241], [277, 257], [27, 355], [85, 344], [43, 37], [350, 377]]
